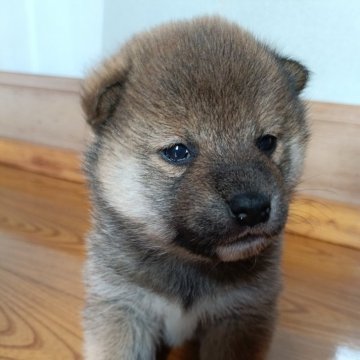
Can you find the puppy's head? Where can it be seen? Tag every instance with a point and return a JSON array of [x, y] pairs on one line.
[[200, 138]]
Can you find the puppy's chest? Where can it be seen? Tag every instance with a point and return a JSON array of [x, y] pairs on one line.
[[179, 325]]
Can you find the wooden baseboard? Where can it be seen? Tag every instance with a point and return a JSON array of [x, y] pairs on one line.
[[310, 216], [42, 109], [332, 165]]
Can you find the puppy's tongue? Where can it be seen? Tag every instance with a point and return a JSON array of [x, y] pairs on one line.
[[241, 250]]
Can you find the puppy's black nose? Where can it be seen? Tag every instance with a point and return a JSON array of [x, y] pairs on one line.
[[250, 209]]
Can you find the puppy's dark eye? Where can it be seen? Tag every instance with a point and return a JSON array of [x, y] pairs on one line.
[[177, 153], [266, 143]]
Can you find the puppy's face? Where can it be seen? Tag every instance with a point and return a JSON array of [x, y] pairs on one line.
[[200, 137]]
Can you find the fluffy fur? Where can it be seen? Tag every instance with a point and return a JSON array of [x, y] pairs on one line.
[[166, 262]]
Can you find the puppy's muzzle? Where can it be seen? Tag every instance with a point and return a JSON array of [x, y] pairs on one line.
[[250, 208]]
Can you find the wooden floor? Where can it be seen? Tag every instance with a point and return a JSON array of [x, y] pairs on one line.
[[42, 223]]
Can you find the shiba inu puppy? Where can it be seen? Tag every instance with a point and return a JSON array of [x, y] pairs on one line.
[[199, 141]]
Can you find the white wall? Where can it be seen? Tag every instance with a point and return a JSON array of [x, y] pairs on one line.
[[65, 37], [51, 37]]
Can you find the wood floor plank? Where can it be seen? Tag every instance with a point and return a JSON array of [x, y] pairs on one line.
[[40, 303], [47, 211], [42, 224]]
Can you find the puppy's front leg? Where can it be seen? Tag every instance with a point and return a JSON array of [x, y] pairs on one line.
[[116, 332], [232, 340]]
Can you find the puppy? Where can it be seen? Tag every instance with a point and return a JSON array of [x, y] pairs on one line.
[[199, 141]]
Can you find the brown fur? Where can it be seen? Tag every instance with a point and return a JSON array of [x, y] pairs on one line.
[[166, 262]]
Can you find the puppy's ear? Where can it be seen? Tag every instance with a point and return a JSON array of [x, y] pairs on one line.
[[297, 73], [101, 91]]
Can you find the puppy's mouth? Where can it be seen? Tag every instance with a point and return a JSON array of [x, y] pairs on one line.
[[243, 247], [231, 248]]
